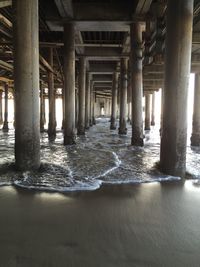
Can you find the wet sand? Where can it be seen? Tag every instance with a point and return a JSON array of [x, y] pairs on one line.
[[129, 225]]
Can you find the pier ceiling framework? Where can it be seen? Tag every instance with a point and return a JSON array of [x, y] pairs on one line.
[[102, 35]]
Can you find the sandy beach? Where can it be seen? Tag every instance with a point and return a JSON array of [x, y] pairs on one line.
[[128, 225]]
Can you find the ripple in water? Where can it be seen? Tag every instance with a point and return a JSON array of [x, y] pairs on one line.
[[101, 157]]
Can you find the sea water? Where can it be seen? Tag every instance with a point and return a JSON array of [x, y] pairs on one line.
[[100, 157]]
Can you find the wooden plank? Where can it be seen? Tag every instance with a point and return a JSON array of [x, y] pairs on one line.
[[65, 8], [6, 66], [46, 64], [143, 7], [5, 3]]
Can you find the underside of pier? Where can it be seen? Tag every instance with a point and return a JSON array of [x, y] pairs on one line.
[[100, 56]]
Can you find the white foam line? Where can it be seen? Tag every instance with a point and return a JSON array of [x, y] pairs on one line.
[[133, 181], [117, 162], [61, 189]]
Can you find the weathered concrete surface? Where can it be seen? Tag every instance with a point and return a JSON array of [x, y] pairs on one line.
[[1, 108], [114, 102], [147, 111], [81, 94], [195, 138], [137, 89], [123, 96], [26, 83], [153, 110], [177, 71], [42, 108], [87, 101], [129, 97], [76, 100], [69, 84], [52, 100], [91, 102], [5, 123]]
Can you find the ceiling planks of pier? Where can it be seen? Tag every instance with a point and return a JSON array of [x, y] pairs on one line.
[[102, 35]]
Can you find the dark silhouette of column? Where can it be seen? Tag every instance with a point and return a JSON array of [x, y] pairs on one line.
[[1, 113], [76, 100], [195, 138], [147, 111], [123, 96], [26, 84], [42, 108], [52, 100], [177, 72], [129, 98], [81, 94], [113, 125], [87, 101], [153, 109], [69, 84], [5, 123], [129, 95], [91, 101], [63, 107], [137, 87]]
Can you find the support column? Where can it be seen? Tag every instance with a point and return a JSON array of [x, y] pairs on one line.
[[26, 84], [93, 121], [147, 111], [177, 72], [69, 84], [91, 101], [137, 84], [63, 106], [76, 100], [52, 101], [153, 109], [81, 93], [114, 102], [129, 96], [123, 96], [118, 96], [1, 113], [42, 108], [195, 138], [87, 101], [129, 112], [94, 103], [5, 123], [14, 105]]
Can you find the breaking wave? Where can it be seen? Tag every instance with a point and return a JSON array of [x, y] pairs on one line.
[[100, 157]]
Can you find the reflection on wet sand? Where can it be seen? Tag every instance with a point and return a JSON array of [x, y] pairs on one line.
[[155, 224]]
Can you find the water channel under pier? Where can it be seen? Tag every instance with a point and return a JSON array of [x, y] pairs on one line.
[[100, 157]]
